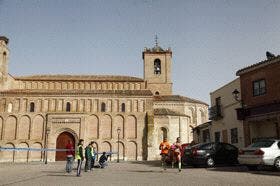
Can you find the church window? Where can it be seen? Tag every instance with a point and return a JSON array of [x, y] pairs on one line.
[[10, 107], [32, 107], [123, 107], [68, 107], [157, 66], [103, 107]]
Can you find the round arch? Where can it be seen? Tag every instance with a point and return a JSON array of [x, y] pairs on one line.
[[61, 140]]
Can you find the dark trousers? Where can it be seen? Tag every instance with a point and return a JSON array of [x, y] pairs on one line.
[[80, 162], [92, 162], [88, 164]]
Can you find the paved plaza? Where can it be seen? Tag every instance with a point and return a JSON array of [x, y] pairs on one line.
[[133, 173]]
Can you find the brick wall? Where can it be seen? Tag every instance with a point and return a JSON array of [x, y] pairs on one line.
[[272, 78]]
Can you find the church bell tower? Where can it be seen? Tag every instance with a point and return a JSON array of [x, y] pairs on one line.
[[4, 59], [157, 69]]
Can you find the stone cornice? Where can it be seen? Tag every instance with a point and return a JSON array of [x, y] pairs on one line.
[[21, 92]]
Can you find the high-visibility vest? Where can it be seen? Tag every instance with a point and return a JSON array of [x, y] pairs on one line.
[[78, 156]]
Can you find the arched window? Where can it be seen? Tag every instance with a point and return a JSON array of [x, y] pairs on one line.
[[156, 93], [32, 107], [10, 107], [68, 107], [103, 107], [157, 66], [123, 107]]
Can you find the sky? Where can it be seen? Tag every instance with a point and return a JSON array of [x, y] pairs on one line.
[[210, 40]]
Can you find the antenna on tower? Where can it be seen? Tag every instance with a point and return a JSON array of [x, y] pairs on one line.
[[156, 40]]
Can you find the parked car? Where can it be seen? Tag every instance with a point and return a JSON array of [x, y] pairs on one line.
[[210, 154], [262, 152]]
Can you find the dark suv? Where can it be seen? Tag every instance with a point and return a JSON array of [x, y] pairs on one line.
[[210, 154]]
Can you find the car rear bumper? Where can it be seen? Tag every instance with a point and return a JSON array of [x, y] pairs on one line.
[[251, 160]]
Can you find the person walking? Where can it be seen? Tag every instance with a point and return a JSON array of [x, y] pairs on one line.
[[88, 156], [178, 152], [164, 148], [69, 156], [80, 156]]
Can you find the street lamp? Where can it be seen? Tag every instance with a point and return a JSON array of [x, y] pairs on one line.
[[235, 94], [46, 146], [118, 131]]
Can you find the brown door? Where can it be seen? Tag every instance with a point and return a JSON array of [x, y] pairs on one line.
[[61, 142], [225, 136]]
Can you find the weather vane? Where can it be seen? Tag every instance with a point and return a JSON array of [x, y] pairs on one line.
[[156, 40]]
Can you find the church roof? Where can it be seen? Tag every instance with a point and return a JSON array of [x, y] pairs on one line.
[[255, 66], [168, 112], [79, 92], [79, 78], [177, 98]]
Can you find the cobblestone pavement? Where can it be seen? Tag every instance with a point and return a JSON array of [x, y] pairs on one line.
[[133, 173]]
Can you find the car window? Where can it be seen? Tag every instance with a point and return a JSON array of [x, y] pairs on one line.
[[207, 146], [218, 147], [229, 147], [264, 143]]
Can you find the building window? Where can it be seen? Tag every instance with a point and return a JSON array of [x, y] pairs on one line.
[[123, 107], [259, 87], [157, 66], [103, 107], [32, 107], [206, 135], [234, 135], [68, 107], [10, 107], [217, 137], [157, 93]]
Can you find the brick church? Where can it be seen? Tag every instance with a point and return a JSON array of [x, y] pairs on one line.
[[44, 111]]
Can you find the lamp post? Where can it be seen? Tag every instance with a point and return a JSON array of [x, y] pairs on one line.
[[236, 96], [118, 131], [46, 146]]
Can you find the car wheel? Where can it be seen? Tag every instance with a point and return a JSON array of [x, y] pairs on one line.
[[277, 163], [252, 167], [210, 162]]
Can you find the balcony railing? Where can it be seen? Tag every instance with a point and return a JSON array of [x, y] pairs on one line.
[[243, 113], [215, 112]]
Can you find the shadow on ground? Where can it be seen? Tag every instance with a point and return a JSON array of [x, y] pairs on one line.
[[262, 171]]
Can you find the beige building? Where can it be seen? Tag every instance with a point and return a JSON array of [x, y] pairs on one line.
[[225, 126], [44, 111]]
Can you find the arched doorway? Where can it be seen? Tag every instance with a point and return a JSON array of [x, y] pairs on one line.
[[61, 142]]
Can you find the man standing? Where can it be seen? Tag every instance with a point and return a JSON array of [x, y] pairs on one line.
[[70, 156], [88, 156], [80, 156], [164, 147]]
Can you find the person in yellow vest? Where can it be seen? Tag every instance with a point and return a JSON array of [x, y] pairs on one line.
[[80, 156]]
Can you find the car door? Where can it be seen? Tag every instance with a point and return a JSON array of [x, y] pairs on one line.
[[231, 153], [219, 153]]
